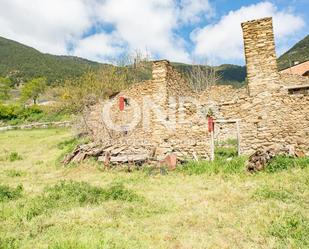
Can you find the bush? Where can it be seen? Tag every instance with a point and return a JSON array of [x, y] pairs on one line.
[[11, 112], [118, 192], [14, 156], [280, 163], [7, 193], [218, 166], [18, 114]]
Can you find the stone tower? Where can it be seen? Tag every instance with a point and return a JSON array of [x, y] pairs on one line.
[[260, 55]]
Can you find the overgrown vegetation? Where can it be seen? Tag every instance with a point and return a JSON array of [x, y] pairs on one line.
[[8, 193], [33, 89], [5, 87], [14, 156], [15, 173], [266, 192], [218, 166], [280, 163], [15, 114], [291, 231], [84, 207], [69, 194]]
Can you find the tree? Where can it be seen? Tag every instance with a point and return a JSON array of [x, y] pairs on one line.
[[33, 89], [202, 77], [5, 87]]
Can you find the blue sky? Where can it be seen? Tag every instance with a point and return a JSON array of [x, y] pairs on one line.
[[178, 30]]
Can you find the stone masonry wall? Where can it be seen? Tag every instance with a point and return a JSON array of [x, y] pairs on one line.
[[261, 60], [167, 118]]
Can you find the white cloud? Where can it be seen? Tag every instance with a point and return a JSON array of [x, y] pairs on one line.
[[59, 27], [146, 25], [99, 47], [44, 24], [192, 11], [54, 25], [223, 41]]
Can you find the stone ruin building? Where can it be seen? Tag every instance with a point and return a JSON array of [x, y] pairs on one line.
[[160, 115]]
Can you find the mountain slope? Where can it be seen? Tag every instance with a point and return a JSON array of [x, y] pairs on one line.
[[299, 52], [229, 74], [23, 63]]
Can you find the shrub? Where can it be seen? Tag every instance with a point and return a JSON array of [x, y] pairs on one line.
[[14, 156], [291, 231], [7, 193], [17, 114], [118, 192]]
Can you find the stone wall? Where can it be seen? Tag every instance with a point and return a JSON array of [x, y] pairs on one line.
[[166, 117], [261, 59], [46, 125]]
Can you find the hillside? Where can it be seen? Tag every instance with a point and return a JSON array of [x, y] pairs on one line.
[[299, 52], [21, 63], [230, 74]]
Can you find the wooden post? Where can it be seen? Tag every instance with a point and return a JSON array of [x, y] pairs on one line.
[[238, 137], [212, 146]]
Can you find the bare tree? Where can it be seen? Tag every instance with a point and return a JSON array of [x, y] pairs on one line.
[[202, 76], [136, 65]]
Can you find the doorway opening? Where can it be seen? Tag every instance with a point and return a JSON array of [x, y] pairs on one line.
[[225, 139]]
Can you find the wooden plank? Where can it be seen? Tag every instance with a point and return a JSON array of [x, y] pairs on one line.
[[129, 158]]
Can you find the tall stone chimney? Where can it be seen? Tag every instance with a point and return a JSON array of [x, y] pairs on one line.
[[261, 60], [160, 70]]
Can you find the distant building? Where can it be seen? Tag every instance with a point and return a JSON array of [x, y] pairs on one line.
[[298, 68]]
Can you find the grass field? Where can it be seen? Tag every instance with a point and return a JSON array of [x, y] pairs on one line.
[[201, 205]]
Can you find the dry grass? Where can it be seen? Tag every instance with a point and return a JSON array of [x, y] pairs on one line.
[[177, 210]]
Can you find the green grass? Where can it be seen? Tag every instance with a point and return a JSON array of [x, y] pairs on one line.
[[291, 231], [73, 194], [280, 163], [266, 192], [218, 166], [200, 205], [14, 156], [8, 193], [15, 173]]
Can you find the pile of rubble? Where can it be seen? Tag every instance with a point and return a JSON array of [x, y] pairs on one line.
[[139, 155], [260, 159], [117, 155]]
